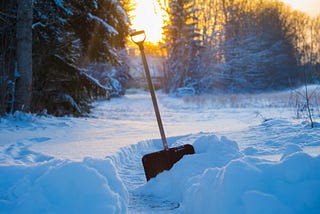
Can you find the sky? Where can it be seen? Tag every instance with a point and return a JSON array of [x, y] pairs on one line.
[[312, 7], [147, 15]]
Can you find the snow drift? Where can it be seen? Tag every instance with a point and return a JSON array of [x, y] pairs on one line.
[[91, 186], [220, 179]]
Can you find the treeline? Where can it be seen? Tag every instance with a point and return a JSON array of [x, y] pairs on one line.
[[239, 45], [74, 44]]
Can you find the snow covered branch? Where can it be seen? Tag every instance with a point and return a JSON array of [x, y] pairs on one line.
[[109, 28]]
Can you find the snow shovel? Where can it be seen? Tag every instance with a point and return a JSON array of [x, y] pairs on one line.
[[156, 162]]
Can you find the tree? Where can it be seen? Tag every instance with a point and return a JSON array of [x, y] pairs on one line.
[[258, 46], [307, 53], [182, 44], [7, 55], [67, 38], [24, 55], [70, 36], [245, 45]]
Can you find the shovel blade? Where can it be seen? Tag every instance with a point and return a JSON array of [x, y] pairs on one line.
[[156, 162]]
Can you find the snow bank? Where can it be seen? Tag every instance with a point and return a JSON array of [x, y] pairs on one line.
[[90, 186], [220, 179]]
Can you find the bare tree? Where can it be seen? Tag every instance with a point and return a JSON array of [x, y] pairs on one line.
[[315, 46], [307, 50], [24, 55]]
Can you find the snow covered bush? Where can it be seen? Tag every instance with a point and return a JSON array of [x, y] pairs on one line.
[[113, 78]]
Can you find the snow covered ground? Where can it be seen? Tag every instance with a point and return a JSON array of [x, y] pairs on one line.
[[252, 156]]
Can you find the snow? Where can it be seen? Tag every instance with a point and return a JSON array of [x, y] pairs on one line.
[[108, 27], [60, 3], [221, 179], [251, 156], [58, 186]]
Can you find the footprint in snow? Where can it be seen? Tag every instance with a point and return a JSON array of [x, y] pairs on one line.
[[22, 154]]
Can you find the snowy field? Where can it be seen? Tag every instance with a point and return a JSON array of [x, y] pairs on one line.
[[252, 156]]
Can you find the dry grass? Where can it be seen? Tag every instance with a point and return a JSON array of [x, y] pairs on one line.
[[291, 99]]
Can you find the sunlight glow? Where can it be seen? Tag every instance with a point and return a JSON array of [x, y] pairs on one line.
[[147, 16], [312, 7]]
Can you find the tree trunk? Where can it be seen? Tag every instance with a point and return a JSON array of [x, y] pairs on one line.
[[24, 55]]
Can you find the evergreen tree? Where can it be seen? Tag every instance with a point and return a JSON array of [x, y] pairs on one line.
[[68, 36], [7, 55], [182, 44]]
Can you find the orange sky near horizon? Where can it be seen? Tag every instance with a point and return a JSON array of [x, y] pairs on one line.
[[148, 15]]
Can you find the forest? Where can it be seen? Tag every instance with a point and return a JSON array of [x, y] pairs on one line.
[[58, 56]]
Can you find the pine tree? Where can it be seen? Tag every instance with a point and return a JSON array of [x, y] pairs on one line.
[[7, 55], [182, 44], [69, 36]]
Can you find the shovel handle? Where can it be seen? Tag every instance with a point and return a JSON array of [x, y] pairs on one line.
[[153, 95], [138, 37], [138, 33]]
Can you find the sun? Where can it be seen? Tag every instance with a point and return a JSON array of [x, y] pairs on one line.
[[147, 16]]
